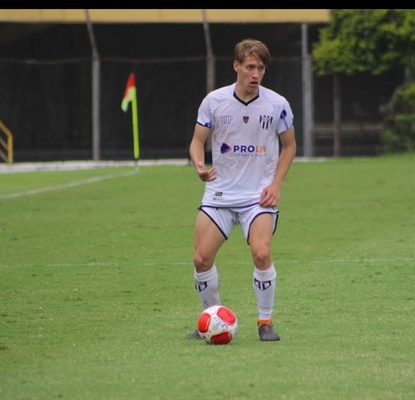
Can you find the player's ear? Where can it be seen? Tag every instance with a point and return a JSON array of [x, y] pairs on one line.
[[236, 66]]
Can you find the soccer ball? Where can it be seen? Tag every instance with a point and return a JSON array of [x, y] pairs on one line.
[[217, 325]]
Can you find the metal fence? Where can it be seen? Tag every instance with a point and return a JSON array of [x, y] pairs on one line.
[[48, 106]]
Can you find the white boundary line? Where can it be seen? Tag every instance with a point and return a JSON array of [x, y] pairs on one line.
[[74, 165], [65, 186], [78, 165], [366, 260]]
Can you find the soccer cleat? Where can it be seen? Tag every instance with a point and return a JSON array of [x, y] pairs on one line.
[[266, 331], [193, 335]]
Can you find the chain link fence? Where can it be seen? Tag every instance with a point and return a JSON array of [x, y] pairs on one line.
[[48, 106]]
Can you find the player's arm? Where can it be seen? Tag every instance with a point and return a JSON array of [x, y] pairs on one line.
[[270, 196], [197, 153], [288, 151]]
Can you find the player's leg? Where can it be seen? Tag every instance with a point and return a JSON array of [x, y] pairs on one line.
[[264, 275], [208, 238]]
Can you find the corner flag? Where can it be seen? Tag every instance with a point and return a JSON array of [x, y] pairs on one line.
[[130, 96]]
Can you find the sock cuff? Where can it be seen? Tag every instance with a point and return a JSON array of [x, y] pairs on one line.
[[267, 275], [206, 276]]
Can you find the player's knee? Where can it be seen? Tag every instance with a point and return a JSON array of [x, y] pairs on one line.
[[202, 263], [262, 258]]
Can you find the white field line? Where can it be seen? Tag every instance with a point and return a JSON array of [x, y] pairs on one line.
[[186, 263], [79, 165], [65, 186], [76, 165]]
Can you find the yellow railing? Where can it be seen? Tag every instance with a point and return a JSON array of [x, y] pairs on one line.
[[6, 144]]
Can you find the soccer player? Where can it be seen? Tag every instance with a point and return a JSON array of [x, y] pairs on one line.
[[253, 147]]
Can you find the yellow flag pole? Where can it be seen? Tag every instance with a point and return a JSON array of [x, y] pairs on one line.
[[135, 129], [130, 95]]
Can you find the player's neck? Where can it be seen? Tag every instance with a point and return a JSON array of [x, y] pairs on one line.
[[244, 94]]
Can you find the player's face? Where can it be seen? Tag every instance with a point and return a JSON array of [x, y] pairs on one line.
[[250, 73]]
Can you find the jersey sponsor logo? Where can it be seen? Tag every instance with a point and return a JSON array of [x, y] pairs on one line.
[[245, 118], [225, 148], [265, 121], [226, 119], [244, 149]]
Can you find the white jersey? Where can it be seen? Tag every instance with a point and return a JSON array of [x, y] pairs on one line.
[[245, 144]]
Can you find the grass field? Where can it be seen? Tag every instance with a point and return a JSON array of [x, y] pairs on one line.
[[97, 287]]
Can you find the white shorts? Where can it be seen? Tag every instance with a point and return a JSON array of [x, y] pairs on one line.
[[225, 218]]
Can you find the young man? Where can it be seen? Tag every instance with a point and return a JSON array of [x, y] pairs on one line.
[[248, 122]]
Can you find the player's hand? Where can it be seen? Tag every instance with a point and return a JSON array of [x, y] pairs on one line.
[[206, 175], [270, 197]]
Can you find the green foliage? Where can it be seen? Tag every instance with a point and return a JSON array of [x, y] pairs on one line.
[[374, 41], [399, 121], [97, 287], [366, 40]]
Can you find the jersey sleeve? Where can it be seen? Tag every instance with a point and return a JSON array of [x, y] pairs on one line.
[[285, 117], [204, 115]]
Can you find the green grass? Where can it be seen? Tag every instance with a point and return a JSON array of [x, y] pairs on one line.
[[97, 292]]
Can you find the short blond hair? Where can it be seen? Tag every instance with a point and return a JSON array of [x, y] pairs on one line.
[[252, 47]]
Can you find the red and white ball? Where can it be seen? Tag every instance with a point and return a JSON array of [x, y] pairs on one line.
[[217, 325]]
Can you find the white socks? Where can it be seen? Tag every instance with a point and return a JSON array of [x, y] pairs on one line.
[[264, 284], [207, 287]]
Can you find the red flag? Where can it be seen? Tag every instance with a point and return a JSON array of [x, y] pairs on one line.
[[130, 92]]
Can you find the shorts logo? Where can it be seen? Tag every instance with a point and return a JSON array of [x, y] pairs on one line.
[[265, 121]]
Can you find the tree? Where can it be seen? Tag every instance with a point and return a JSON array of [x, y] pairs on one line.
[[371, 41]]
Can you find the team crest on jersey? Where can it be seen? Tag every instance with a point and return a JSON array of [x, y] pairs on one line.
[[246, 118], [265, 121]]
